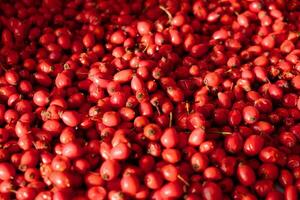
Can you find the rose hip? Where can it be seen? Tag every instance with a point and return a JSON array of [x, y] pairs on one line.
[[7, 171], [149, 100], [245, 174]]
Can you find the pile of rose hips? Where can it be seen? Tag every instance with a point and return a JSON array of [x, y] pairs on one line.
[[149, 99]]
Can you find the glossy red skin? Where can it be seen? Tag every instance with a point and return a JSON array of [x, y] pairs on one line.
[[201, 98], [109, 170], [246, 175], [146, 162], [118, 99], [263, 187], [250, 114], [137, 83], [212, 173], [171, 190], [196, 137], [7, 171], [293, 161], [130, 184], [29, 159], [269, 154], [152, 132], [111, 119], [228, 165], [169, 172], [169, 138], [41, 98], [72, 150], [25, 193], [60, 163], [171, 155], [285, 178], [291, 193], [253, 144], [288, 139], [263, 127], [67, 135], [263, 105], [211, 191], [195, 120], [153, 180], [120, 152], [97, 192], [220, 116], [71, 118], [235, 117], [275, 92], [207, 147], [212, 79], [60, 179], [123, 76], [274, 195], [233, 143], [92, 179], [295, 82], [199, 162]]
